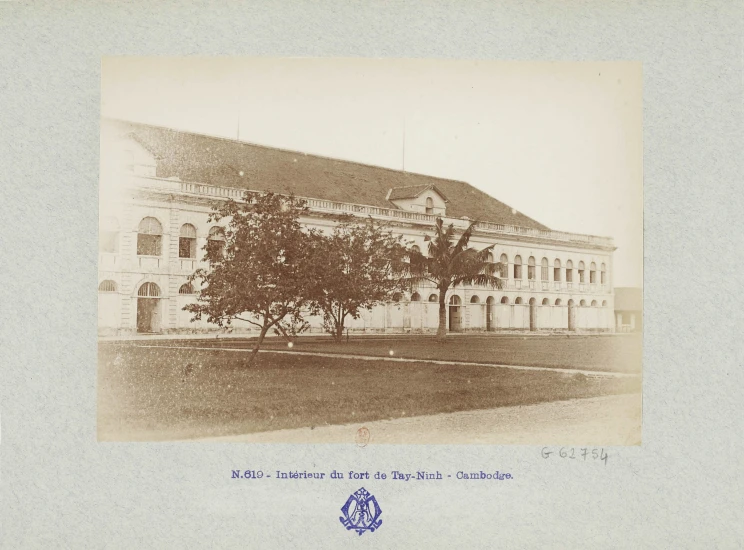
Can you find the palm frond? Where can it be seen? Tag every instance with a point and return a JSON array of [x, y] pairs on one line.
[[481, 279], [464, 239]]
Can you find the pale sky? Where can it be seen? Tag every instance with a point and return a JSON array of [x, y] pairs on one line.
[[560, 142]]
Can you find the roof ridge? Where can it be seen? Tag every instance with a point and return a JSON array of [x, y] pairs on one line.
[[281, 149], [418, 184], [328, 177]]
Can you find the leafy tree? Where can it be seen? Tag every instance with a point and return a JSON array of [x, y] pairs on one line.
[[450, 263], [363, 265], [262, 272], [291, 327]]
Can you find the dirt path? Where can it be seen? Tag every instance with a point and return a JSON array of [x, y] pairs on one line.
[[606, 421]]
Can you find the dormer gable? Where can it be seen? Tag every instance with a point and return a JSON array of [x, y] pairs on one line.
[[426, 199]]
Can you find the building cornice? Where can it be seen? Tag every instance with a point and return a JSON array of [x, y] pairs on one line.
[[197, 194]]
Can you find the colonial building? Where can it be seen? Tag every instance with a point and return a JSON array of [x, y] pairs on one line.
[[158, 186]]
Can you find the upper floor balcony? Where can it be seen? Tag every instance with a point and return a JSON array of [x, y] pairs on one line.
[[174, 186], [552, 286]]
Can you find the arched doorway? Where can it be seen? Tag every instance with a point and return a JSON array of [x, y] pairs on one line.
[[476, 313], [412, 314], [571, 315], [148, 308], [455, 315], [518, 320], [533, 314], [489, 312]]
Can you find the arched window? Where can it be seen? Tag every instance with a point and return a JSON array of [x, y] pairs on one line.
[[532, 301], [107, 286], [187, 241], [604, 303], [186, 288], [396, 297], [415, 297], [109, 241], [545, 302], [569, 271], [414, 255], [558, 302], [594, 303], [149, 290], [544, 269], [429, 205], [433, 298], [216, 233], [149, 237], [504, 266], [582, 303], [490, 261], [531, 268], [593, 273], [581, 272], [216, 240], [517, 267], [504, 300], [557, 270], [518, 301], [603, 273], [475, 300], [455, 300]]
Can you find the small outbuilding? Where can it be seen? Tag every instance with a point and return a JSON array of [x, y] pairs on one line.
[[628, 309]]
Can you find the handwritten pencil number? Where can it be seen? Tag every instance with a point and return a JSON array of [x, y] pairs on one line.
[[571, 453]]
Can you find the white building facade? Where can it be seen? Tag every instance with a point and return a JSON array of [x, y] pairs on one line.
[[154, 228]]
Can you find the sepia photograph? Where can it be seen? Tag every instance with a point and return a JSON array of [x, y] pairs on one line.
[[371, 274], [370, 251]]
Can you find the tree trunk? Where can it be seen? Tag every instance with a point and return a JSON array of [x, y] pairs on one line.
[[442, 329], [339, 328], [260, 340]]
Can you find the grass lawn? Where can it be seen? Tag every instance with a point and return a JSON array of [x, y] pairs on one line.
[[147, 393], [605, 353]]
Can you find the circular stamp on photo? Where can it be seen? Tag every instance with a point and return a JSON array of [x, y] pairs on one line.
[[362, 437]]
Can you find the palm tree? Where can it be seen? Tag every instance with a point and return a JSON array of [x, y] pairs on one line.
[[451, 263]]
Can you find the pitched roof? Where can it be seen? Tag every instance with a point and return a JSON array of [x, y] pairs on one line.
[[628, 299], [220, 161], [413, 191]]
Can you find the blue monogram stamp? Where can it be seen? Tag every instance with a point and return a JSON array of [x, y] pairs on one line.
[[361, 512]]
